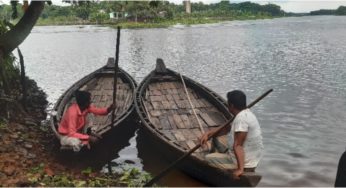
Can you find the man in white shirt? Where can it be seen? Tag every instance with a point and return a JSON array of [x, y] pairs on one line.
[[240, 145]]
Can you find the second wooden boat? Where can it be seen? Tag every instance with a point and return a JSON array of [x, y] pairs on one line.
[[169, 120]]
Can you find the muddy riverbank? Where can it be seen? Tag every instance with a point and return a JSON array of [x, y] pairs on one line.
[[30, 154]]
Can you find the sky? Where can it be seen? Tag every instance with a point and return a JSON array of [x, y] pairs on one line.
[[297, 6]]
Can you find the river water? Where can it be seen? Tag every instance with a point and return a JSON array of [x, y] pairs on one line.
[[302, 59]]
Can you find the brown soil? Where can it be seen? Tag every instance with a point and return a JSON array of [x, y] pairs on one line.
[[26, 143]]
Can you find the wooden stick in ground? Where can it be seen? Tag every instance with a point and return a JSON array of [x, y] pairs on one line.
[[115, 87], [170, 167], [116, 74], [22, 78]]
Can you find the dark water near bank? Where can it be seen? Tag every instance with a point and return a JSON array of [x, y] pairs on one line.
[[303, 59]]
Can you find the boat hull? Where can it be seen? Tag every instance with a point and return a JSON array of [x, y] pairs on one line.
[[173, 139]]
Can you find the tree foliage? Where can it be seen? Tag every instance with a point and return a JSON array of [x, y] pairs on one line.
[[151, 11], [55, 11], [323, 12], [9, 72], [341, 10], [11, 36]]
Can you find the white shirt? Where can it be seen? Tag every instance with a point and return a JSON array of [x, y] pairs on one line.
[[246, 121]]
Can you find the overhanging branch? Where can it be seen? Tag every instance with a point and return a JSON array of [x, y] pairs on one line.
[[14, 37]]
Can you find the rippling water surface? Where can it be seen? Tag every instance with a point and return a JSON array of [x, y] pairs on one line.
[[303, 59]]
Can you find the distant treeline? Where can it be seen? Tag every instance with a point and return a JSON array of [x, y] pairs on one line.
[[101, 11], [339, 11], [249, 7]]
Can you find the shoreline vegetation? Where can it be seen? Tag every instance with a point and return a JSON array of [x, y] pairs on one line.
[[160, 24], [147, 14], [155, 14]]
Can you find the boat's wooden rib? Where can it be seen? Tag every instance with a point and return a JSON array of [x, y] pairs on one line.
[[168, 119], [100, 84]]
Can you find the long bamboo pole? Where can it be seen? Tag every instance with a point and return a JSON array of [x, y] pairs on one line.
[[116, 62], [116, 74]]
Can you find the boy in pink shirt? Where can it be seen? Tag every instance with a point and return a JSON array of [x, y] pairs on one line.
[[74, 120]]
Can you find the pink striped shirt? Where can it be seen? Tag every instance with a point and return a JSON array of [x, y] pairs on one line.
[[74, 120]]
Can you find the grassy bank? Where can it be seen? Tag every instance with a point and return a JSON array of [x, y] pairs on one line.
[[163, 23]]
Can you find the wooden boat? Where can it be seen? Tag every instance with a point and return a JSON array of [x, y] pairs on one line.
[[168, 119], [100, 84]]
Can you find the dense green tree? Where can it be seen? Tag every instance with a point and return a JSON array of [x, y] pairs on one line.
[[272, 9], [341, 10], [83, 9], [143, 10], [199, 7], [323, 12], [248, 7], [5, 12], [224, 5], [56, 11]]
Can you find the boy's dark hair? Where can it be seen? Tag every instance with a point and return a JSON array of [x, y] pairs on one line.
[[82, 97], [237, 98]]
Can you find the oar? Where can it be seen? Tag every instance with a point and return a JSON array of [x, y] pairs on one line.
[[170, 167], [115, 86]]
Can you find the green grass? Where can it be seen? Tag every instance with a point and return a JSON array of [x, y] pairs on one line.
[[131, 177], [3, 123], [162, 23]]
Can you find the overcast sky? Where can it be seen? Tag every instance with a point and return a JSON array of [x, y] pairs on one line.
[[286, 5]]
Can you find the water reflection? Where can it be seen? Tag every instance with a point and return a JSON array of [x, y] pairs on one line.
[[153, 162], [142, 155], [127, 158]]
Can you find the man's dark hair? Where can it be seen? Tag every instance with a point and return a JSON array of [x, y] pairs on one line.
[[82, 97], [237, 98]]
